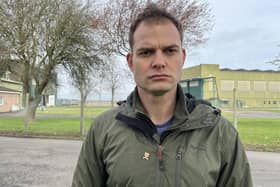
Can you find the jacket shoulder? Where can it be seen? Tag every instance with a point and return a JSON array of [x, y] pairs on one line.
[[104, 121]]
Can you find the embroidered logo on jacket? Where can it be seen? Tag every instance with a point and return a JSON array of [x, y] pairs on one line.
[[146, 156]]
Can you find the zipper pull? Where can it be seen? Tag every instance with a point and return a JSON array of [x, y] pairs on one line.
[[160, 158], [159, 152], [179, 153]]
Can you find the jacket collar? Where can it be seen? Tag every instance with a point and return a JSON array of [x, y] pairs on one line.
[[180, 109], [201, 116]]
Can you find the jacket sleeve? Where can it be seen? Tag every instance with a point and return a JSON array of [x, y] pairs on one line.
[[235, 170], [90, 170]]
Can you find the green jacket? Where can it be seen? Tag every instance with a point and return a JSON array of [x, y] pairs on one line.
[[199, 149]]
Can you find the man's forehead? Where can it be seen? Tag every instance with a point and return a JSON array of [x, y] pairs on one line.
[[152, 35], [155, 22]]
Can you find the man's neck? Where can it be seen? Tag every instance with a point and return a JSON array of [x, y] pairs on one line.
[[159, 108]]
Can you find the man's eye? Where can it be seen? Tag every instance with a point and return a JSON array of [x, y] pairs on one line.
[[145, 53], [170, 51]]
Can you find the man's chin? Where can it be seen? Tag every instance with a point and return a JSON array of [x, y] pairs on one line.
[[160, 91]]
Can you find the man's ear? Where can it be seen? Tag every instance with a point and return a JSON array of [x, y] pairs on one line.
[[184, 56], [129, 61]]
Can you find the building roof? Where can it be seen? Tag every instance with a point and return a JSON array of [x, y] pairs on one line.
[[253, 70], [242, 70], [8, 90], [11, 81]]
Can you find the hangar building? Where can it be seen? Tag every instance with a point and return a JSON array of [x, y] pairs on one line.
[[254, 88]]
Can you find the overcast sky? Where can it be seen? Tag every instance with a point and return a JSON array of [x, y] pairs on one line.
[[245, 35]]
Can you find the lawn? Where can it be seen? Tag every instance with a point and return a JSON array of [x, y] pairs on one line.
[[72, 110], [260, 133], [44, 126], [256, 134], [53, 121]]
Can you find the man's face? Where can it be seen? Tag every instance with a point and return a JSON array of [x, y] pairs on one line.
[[157, 58]]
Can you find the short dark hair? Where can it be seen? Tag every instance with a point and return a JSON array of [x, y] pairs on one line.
[[153, 13]]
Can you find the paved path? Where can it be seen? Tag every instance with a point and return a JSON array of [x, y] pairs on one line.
[[256, 114], [240, 114], [50, 163], [37, 162], [265, 168]]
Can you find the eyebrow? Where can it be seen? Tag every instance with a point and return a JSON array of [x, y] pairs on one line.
[[152, 48], [172, 46]]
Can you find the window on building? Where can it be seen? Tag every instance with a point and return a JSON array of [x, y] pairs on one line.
[[183, 84], [259, 86], [264, 102], [227, 85], [243, 86], [274, 86], [275, 102], [224, 101], [1, 100], [194, 83]]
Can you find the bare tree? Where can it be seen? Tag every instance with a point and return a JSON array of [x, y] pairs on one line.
[[3, 59], [83, 80], [115, 76], [276, 60], [40, 35], [117, 15]]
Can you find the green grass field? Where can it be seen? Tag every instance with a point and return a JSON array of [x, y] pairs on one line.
[[257, 134], [44, 126], [72, 110], [260, 133]]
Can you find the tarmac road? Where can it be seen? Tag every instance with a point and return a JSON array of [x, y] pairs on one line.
[[50, 163], [37, 162], [258, 114]]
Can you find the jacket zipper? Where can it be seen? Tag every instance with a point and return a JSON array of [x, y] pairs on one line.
[[178, 170], [160, 167]]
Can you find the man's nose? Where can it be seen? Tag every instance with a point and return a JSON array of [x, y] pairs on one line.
[[159, 60]]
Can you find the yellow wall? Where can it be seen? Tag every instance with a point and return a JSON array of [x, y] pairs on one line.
[[11, 84], [242, 80], [192, 72]]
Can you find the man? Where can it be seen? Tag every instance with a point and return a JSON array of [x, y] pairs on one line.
[[160, 137]]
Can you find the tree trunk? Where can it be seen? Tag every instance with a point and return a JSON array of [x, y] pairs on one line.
[[24, 99], [112, 98], [82, 114], [30, 110]]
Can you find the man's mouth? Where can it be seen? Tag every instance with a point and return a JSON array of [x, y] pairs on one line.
[[159, 76]]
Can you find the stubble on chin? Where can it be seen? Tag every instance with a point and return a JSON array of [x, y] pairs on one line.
[[155, 92]]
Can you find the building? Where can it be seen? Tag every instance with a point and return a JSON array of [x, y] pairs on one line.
[[10, 95], [254, 88], [49, 95], [16, 89]]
